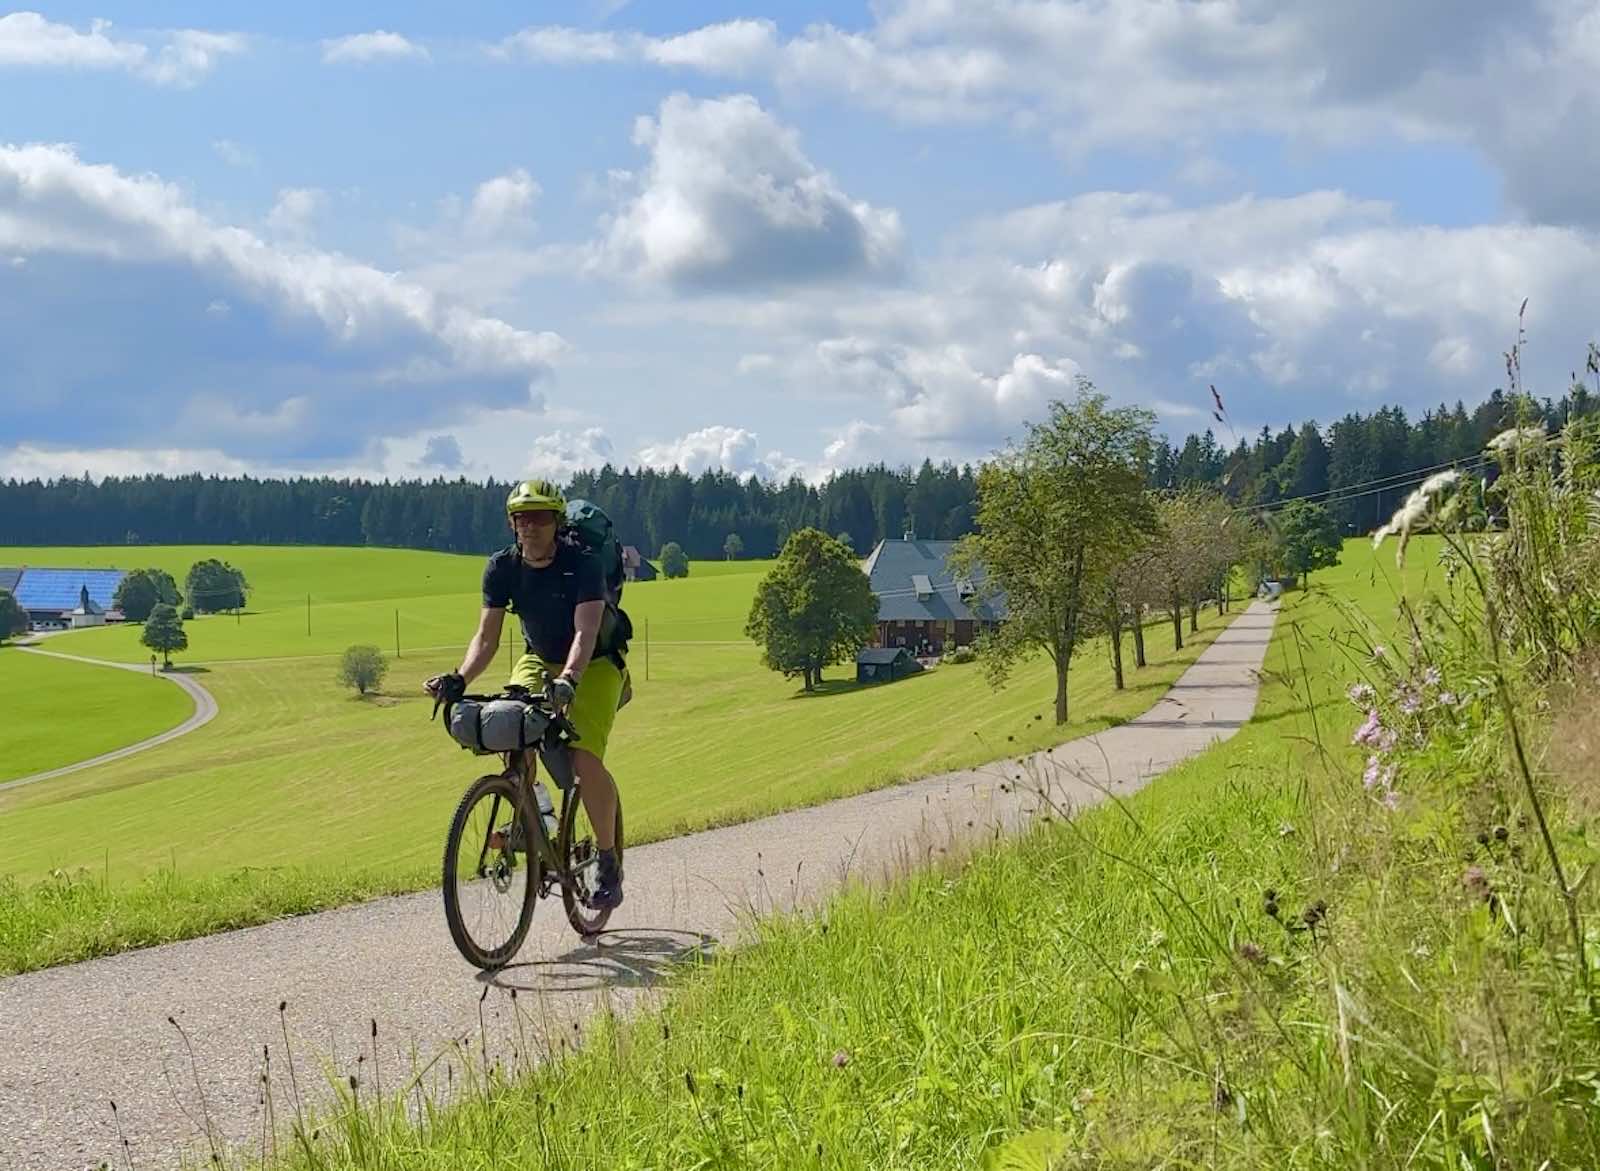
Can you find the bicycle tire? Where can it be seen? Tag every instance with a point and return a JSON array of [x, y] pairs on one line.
[[586, 921], [487, 958]]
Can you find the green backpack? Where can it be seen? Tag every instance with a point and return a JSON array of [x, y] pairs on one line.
[[589, 528]]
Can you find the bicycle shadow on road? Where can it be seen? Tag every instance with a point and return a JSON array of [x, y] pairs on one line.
[[631, 957]]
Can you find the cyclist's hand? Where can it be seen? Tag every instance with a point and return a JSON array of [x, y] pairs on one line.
[[449, 686], [561, 691]]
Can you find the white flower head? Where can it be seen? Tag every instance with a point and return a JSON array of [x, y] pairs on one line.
[[1514, 437], [1423, 503]]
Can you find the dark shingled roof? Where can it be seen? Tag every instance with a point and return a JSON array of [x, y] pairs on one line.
[[881, 656], [8, 580], [893, 569]]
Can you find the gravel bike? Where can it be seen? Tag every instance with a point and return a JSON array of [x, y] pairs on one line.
[[507, 846]]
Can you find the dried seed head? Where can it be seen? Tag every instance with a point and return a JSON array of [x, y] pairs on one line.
[[1252, 953], [841, 1059], [1271, 909], [1483, 838], [1501, 833]]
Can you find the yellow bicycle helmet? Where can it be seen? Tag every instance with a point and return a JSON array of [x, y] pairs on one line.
[[534, 495]]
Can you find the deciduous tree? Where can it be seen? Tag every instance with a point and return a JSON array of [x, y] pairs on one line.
[[363, 667], [813, 609], [163, 632], [673, 561], [142, 590], [13, 618], [215, 585], [1053, 515]]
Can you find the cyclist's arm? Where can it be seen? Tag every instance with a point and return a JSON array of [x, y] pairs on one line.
[[481, 650], [586, 619]]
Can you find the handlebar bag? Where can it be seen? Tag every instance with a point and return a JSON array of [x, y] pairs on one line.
[[496, 725]]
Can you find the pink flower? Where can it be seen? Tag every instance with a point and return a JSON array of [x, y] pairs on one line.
[[1368, 732], [1370, 777], [1361, 693]]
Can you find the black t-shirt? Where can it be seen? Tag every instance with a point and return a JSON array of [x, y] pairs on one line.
[[544, 599]]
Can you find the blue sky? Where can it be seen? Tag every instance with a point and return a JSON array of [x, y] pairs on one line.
[[363, 239]]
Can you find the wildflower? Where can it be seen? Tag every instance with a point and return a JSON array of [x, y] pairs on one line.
[[841, 1059], [1410, 702], [1431, 677], [1391, 800], [1368, 732], [1386, 739], [1476, 882], [1378, 650], [1362, 693], [1448, 699], [1370, 777], [1415, 511], [1514, 437]]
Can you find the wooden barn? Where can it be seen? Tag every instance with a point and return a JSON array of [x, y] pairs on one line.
[[885, 664]]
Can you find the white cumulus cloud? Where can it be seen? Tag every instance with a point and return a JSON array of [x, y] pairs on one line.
[[558, 455], [502, 203], [380, 45], [316, 355], [295, 208], [179, 57], [730, 449], [729, 200], [731, 48]]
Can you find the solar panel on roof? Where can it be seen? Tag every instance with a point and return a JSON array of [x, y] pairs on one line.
[[58, 589]]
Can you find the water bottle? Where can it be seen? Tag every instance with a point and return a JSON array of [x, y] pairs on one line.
[[547, 809]]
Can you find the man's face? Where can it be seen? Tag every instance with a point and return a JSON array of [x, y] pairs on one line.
[[534, 529]]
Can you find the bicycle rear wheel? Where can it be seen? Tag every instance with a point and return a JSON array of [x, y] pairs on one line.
[[579, 853], [490, 891]]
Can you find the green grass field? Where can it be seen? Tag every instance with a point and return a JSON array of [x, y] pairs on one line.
[[711, 737], [430, 600], [58, 712], [1049, 1002]]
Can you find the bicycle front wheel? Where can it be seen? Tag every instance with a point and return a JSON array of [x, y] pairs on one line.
[[580, 854], [489, 884]]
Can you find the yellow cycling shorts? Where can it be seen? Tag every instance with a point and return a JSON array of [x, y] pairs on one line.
[[594, 705]]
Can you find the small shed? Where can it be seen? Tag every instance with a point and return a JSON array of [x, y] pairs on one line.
[[876, 664]]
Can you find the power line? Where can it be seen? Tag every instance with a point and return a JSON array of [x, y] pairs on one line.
[[1370, 487]]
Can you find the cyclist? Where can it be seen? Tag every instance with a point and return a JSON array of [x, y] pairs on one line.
[[558, 592]]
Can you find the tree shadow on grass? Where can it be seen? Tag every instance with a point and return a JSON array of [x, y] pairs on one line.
[[192, 669], [830, 687], [634, 957]]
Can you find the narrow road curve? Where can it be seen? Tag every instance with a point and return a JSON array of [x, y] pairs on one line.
[[383, 978], [205, 709]]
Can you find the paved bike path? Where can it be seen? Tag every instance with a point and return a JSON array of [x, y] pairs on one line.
[[205, 710], [72, 1039]]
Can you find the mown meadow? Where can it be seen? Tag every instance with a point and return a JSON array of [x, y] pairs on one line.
[[207, 832], [48, 701]]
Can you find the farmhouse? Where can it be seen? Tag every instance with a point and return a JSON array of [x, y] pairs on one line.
[[634, 566], [56, 599], [921, 605]]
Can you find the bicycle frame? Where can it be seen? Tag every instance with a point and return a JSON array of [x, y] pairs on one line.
[[520, 766]]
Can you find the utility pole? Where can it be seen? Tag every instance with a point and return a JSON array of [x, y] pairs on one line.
[[647, 650], [397, 633], [308, 615]]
